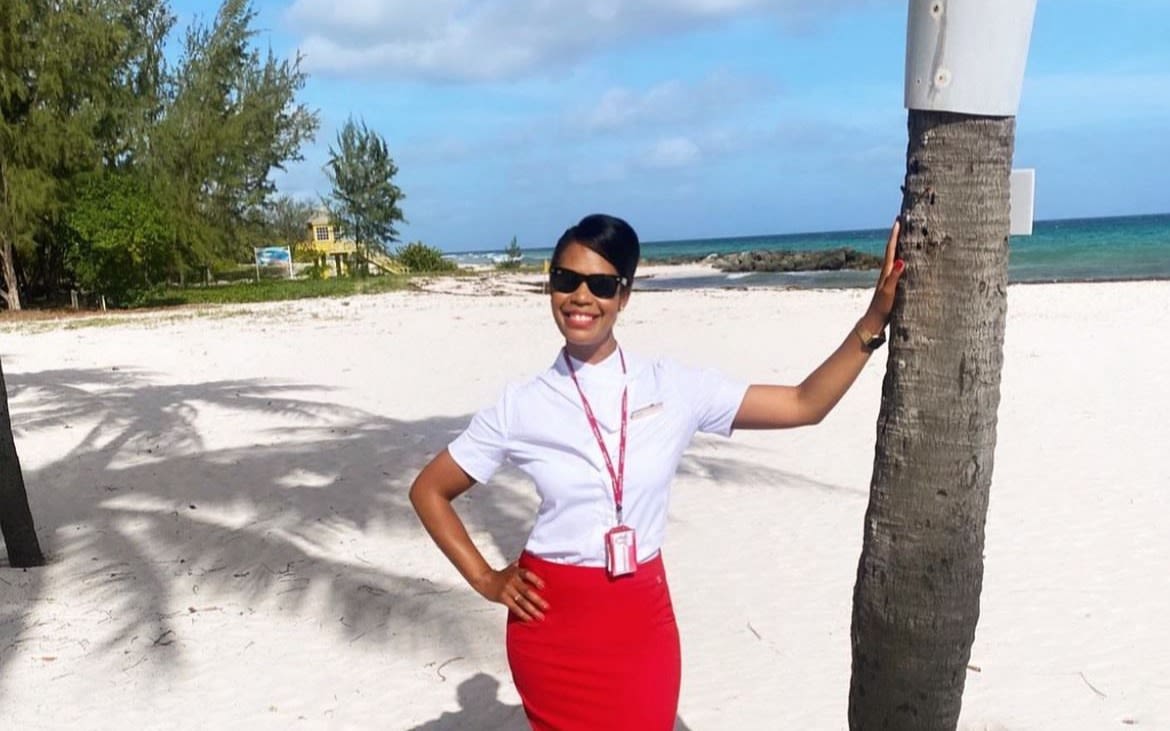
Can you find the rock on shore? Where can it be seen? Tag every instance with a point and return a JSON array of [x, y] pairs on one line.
[[795, 261]]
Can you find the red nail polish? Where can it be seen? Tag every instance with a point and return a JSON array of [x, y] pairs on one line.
[[899, 265]]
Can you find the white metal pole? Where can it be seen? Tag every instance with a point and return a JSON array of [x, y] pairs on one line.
[[967, 56]]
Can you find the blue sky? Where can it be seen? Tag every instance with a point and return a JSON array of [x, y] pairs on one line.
[[699, 118]]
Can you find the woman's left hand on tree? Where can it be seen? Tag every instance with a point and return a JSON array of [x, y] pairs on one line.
[[878, 313]]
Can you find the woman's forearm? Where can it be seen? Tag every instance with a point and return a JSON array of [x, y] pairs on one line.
[[447, 530], [440, 482], [824, 387], [782, 407]]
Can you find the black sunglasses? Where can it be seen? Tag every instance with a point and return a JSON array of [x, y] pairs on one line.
[[604, 286]]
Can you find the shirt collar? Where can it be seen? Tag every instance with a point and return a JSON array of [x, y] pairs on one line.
[[610, 365], [602, 383]]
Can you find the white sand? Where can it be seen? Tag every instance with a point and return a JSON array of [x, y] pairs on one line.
[[224, 501]]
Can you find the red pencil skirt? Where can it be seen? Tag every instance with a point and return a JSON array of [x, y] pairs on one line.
[[606, 655]]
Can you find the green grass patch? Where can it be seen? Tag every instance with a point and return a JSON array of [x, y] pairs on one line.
[[272, 290], [524, 268]]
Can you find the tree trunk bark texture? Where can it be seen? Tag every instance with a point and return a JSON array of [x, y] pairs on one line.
[[916, 600], [10, 289], [16, 522]]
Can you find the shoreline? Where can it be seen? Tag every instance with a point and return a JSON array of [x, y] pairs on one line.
[[468, 283], [666, 273]]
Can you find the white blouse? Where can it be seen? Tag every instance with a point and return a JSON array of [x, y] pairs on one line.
[[540, 426]]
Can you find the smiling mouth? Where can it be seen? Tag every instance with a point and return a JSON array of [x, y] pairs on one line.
[[579, 319]]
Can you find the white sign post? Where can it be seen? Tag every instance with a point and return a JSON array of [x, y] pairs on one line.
[[1022, 201], [272, 256]]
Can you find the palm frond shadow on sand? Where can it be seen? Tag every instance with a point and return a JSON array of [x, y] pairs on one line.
[[164, 517]]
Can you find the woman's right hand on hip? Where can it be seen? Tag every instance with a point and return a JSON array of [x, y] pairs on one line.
[[516, 588]]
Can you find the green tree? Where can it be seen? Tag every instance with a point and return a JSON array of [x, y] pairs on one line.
[[119, 237], [365, 201], [286, 221], [84, 86], [230, 118], [64, 108], [137, 81], [513, 256]]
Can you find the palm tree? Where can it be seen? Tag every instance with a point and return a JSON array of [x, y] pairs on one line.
[[920, 575], [16, 523], [916, 600]]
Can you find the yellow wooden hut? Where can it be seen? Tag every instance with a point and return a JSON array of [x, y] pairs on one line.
[[326, 243]]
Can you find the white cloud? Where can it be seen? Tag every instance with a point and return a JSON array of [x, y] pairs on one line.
[[670, 101], [672, 152], [483, 40]]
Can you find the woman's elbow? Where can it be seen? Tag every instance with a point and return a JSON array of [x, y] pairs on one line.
[[440, 480], [419, 493]]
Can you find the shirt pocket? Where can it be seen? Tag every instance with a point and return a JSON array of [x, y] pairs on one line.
[[647, 412]]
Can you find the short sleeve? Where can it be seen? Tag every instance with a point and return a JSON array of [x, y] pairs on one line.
[[714, 398], [482, 448]]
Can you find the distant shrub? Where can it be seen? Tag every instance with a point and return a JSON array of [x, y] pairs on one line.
[[315, 272], [305, 254], [418, 257], [269, 290], [513, 256], [239, 273]]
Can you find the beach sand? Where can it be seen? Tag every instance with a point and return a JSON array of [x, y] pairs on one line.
[[222, 493]]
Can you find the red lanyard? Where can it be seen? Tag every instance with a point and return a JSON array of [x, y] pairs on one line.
[[619, 476]]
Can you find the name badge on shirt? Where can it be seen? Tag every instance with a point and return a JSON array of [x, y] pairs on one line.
[[621, 551], [645, 411]]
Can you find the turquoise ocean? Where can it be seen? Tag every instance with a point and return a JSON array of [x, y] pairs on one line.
[[1069, 250]]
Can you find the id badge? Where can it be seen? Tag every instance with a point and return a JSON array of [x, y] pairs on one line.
[[621, 551]]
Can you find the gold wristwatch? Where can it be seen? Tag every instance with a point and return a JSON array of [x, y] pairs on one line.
[[870, 341]]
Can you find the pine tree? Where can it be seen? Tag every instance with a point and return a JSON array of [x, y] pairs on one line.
[[364, 199], [230, 120]]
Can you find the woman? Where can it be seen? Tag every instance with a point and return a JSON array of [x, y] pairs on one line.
[[592, 641]]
